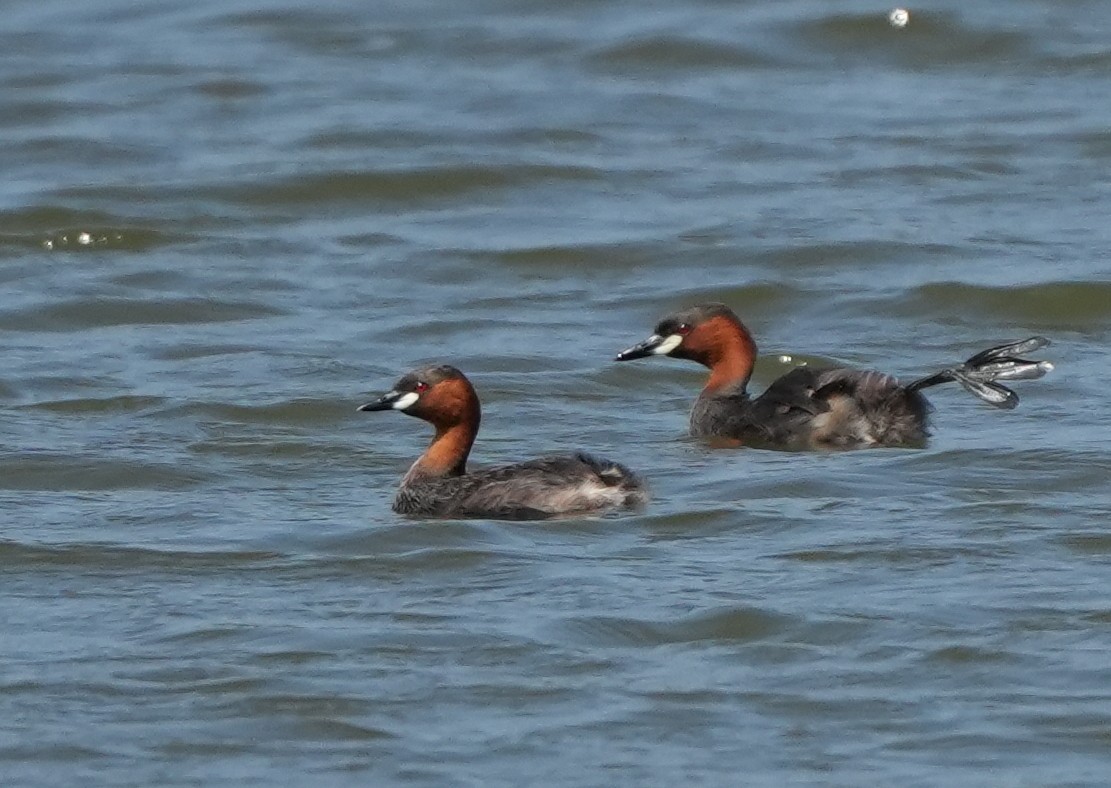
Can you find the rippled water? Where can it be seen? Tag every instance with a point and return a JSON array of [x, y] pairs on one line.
[[224, 224]]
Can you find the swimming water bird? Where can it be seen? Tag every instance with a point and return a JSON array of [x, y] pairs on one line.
[[818, 408], [439, 485]]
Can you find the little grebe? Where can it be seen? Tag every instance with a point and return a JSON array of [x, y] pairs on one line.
[[814, 408], [439, 485]]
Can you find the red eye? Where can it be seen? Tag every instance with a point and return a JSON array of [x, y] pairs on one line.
[[684, 329], [421, 387]]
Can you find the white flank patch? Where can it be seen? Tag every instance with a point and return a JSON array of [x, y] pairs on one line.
[[668, 345], [584, 496], [405, 401]]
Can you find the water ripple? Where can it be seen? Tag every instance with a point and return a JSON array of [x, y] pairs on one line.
[[59, 228], [15, 556], [124, 403], [78, 314], [67, 472], [932, 39], [739, 624], [1062, 306], [668, 53], [404, 186]]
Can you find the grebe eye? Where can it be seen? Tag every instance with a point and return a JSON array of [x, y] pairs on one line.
[[683, 329], [421, 387]]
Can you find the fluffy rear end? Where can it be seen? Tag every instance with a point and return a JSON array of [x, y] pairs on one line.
[[868, 408], [617, 482], [547, 487]]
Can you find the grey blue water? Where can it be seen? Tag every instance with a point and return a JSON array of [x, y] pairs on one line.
[[225, 224]]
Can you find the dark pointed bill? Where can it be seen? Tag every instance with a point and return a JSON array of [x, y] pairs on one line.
[[394, 400], [655, 345]]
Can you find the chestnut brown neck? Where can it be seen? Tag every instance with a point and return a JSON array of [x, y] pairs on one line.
[[447, 456], [454, 411], [727, 348]]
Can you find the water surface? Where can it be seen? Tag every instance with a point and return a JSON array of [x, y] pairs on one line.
[[224, 226]]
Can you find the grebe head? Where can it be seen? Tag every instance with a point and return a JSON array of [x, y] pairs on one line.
[[709, 334], [696, 333], [439, 394]]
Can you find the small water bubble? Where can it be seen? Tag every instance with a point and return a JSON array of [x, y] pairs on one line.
[[84, 239], [898, 17], [48, 244]]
